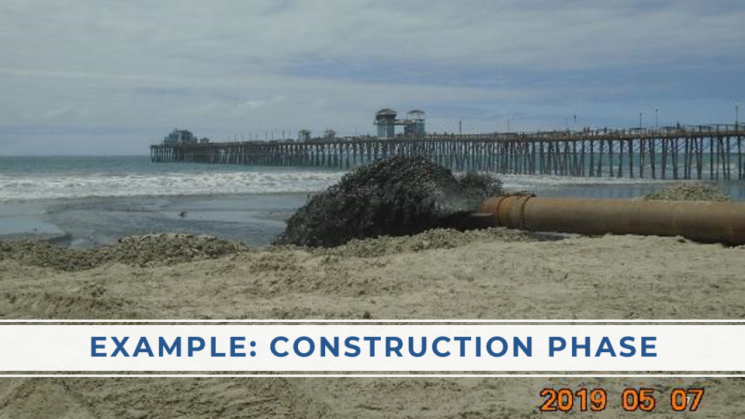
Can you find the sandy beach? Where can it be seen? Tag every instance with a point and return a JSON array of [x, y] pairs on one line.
[[440, 274]]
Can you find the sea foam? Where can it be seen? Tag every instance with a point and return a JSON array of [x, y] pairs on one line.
[[34, 187]]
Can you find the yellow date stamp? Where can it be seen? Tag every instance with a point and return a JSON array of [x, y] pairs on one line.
[[631, 399]]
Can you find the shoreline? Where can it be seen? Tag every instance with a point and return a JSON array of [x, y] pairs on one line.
[[96, 221], [253, 218]]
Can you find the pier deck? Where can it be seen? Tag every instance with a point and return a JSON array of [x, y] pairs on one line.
[[692, 152]]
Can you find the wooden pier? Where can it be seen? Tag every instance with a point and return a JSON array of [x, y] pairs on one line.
[[712, 152]]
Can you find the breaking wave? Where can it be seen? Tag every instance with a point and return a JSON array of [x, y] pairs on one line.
[[24, 188]]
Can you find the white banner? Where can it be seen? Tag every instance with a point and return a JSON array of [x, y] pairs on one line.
[[354, 348]]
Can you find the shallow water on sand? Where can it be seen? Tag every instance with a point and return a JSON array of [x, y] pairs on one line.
[[85, 222]]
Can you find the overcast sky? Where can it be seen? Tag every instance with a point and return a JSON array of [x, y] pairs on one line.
[[110, 77]]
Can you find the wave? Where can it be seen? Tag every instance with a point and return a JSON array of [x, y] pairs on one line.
[[531, 182], [26, 188], [19, 187]]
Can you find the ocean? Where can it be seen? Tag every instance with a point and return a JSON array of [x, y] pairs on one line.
[[90, 201]]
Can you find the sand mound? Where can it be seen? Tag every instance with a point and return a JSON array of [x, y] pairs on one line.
[[431, 239], [135, 250], [392, 197], [689, 192]]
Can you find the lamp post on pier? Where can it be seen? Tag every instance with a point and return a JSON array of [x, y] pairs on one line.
[[656, 121]]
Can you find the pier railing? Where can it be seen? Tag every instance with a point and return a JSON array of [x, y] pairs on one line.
[[680, 152]]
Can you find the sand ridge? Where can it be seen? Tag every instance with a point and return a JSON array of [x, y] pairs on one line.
[[495, 273]]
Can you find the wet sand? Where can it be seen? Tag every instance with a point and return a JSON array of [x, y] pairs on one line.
[[495, 274], [254, 219]]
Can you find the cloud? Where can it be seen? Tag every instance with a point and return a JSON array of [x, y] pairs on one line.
[[230, 67]]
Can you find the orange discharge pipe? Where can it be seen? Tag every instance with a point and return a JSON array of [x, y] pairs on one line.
[[708, 222]]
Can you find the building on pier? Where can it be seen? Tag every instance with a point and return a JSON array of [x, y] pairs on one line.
[[180, 136], [303, 136], [385, 120], [414, 124]]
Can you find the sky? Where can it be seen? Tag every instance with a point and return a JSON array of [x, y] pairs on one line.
[[112, 77]]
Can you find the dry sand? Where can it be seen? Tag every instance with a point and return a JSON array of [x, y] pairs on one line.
[[689, 191], [494, 274], [122, 398]]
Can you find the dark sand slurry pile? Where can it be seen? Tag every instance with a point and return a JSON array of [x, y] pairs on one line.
[[392, 197], [689, 192]]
